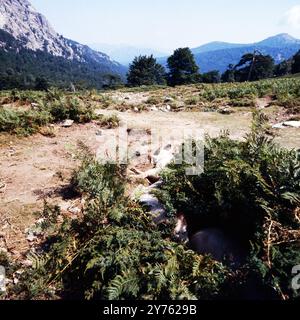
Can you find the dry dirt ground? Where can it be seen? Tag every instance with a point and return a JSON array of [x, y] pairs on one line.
[[36, 168]]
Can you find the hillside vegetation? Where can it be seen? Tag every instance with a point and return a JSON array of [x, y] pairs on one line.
[[113, 250], [20, 67], [109, 247], [33, 110]]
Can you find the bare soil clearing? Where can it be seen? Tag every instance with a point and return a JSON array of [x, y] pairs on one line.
[[37, 168]]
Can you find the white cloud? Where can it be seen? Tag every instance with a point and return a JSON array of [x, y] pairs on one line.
[[292, 17]]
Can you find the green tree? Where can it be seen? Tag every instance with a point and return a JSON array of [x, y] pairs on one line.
[[253, 67], [211, 77], [41, 84], [182, 68], [111, 81], [145, 71], [296, 63], [229, 74], [284, 68]]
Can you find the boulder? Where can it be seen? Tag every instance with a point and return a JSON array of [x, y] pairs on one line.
[[286, 124], [156, 209], [293, 124], [278, 126], [216, 243]]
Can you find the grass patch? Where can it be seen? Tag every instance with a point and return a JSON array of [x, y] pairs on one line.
[[109, 122]]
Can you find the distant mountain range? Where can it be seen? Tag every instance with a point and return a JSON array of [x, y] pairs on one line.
[[218, 55], [125, 54], [25, 35], [31, 48]]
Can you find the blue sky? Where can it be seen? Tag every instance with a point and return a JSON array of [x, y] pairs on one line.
[[168, 24]]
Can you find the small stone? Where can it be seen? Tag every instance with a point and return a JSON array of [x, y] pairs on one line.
[[31, 237], [67, 123], [166, 108], [168, 99], [137, 153], [2, 187], [99, 133], [34, 105], [153, 108], [226, 111], [278, 126]]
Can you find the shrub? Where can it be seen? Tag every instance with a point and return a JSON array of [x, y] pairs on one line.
[[71, 108], [192, 101], [251, 189], [110, 122], [153, 100], [23, 122], [115, 251], [52, 108]]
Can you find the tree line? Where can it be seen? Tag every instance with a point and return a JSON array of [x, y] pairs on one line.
[[182, 69], [24, 70]]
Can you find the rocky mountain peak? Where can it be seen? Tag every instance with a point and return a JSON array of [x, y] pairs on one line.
[[33, 31], [21, 20]]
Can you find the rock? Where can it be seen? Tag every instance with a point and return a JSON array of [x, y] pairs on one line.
[[135, 109], [156, 185], [283, 125], [226, 111], [67, 123], [153, 108], [72, 87], [32, 30], [168, 99], [34, 105], [216, 243], [165, 108], [278, 126], [154, 206], [31, 237], [293, 124], [138, 154], [163, 157], [99, 133], [2, 187]]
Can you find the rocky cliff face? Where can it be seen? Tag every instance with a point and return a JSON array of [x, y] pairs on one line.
[[33, 31]]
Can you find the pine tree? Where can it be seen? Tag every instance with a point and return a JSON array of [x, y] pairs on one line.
[[145, 71], [183, 68], [296, 63]]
